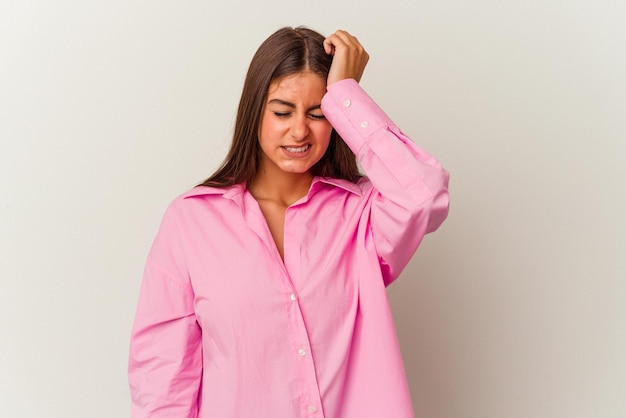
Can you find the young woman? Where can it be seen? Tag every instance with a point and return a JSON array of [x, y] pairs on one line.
[[264, 291]]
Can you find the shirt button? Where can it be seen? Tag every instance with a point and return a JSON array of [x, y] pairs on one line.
[[301, 352], [292, 297], [312, 408], [347, 103], [364, 124]]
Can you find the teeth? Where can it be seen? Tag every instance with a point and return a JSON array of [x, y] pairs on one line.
[[297, 149]]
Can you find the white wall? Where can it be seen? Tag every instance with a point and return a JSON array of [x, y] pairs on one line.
[[515, 308]]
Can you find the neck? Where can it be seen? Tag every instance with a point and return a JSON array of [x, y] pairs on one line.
[[286, 188]]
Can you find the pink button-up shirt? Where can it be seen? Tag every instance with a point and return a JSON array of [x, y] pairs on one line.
[[225, 328]]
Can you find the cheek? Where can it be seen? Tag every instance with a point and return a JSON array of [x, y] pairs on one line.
[[265, 131], [324, 133]]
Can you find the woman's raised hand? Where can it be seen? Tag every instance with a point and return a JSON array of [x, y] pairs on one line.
[[349, 57]]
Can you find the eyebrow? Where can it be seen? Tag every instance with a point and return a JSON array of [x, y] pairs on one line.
[[292, 105]]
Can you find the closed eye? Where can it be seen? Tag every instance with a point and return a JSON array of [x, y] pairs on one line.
[[282, 114], [317, 117]]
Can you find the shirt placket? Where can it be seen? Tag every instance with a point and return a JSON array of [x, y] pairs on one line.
[[309, 399]]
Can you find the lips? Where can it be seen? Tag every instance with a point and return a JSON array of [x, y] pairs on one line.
[[298, 150]]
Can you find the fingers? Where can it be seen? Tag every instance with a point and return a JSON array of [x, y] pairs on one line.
[[349, 56], [342, 39], [328, 46]]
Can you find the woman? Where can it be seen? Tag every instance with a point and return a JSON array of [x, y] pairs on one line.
[[264, 291]]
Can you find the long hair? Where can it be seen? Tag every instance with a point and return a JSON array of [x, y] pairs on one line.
[[286, 52]]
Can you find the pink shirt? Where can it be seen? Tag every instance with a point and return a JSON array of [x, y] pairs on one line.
[[225, 328]]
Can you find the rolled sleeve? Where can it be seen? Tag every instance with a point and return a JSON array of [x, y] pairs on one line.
[[410, 196]]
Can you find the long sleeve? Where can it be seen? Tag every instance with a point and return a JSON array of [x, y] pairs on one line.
[[165, 364], [410, 188]]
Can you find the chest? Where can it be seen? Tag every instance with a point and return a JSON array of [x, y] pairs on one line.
[[253, 260], [274, 215]]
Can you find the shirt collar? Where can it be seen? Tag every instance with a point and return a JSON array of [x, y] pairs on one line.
[[238, 189], [227, 192], [341, 183]]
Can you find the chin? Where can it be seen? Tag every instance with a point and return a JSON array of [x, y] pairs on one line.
[[297, 171]]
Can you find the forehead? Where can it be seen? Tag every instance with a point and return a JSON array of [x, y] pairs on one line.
[[296, 85]]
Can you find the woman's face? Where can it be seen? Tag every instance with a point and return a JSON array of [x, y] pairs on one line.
[[293, 132]]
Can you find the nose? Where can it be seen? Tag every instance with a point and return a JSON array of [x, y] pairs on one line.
[[300, 128]]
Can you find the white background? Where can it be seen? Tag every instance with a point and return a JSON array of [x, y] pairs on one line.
[[516, 307]]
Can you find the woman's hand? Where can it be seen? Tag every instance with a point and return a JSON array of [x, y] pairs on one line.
[[349, 57]]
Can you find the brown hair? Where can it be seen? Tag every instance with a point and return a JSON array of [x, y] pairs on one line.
[[286, 52]]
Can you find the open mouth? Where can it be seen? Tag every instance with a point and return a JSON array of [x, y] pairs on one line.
[[297, 150]]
